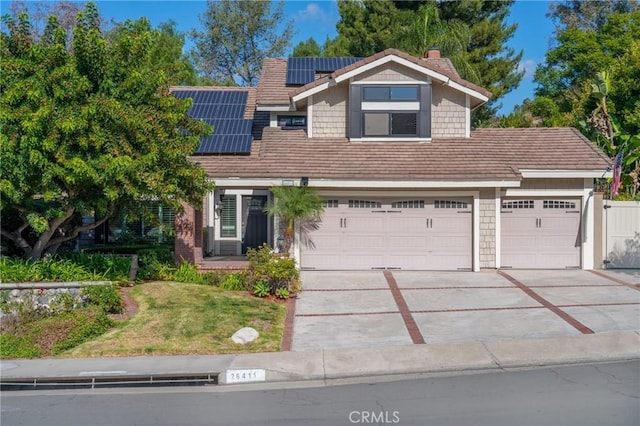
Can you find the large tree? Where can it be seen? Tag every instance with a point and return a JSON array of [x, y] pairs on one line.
[[369, 26], [92, 130], [238, 35]]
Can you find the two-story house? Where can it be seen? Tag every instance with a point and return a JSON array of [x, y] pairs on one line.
[[406, 182]]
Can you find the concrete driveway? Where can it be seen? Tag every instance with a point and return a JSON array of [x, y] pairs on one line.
[[344, 309]]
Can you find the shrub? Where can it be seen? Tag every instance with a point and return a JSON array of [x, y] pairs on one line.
[[261, 288], [12, 346], [233, 281], [282, 293], [276, 270], [86, 324], [155, 263], [106, 297], [188, 273], [110, 266], [51, 269]]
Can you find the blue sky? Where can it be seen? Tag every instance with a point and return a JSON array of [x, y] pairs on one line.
[[318, 19]]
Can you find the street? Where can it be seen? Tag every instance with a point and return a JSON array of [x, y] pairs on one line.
[[596, 394]]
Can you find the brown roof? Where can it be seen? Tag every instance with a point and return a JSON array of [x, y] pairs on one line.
[[490, 154], [443, 67], [272, 89]]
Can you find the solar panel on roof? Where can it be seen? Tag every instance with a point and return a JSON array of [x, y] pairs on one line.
[[224, 110], [301, 71]]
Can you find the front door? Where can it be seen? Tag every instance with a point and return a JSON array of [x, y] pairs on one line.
[[254, 223]]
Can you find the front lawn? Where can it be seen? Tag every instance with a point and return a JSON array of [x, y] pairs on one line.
[[180, 319]]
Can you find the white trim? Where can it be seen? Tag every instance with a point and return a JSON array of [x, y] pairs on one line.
[[588, 228], [386, 59], [396, 194], [311, 92], [310, 117], [393, 138], [498, 230], [476, 232], [531, 173], [467, 116], [211, 219], [278, 108], [514, 192], [236, 182], [389, 106], [466, 90]]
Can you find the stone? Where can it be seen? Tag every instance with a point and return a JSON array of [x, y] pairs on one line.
[[245, 335]]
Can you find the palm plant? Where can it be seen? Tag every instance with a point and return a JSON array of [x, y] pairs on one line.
[[291, 203], [451, 37]]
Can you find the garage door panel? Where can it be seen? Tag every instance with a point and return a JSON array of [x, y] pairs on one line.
[[540, 233], [405, 243], [405, 225], [365, 243], [363, 225], [409, 234]]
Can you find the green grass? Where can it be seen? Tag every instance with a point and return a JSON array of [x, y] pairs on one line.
[[179, 319]]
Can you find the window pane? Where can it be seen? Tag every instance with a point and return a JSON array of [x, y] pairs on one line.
[[401, 93], [228, 216], [376, 93], [404, 124], [376, 124]]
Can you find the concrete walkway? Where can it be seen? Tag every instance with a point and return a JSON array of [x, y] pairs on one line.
[[385, 308]]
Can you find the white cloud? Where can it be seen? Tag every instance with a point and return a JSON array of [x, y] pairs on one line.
[[529, 67], [312, 13]]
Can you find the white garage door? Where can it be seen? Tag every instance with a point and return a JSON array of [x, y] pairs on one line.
[[404, 234], [540, 233]]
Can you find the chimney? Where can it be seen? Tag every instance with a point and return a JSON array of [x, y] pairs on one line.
[[432, 53]]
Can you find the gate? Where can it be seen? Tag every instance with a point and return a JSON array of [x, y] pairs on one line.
[[621, 236]]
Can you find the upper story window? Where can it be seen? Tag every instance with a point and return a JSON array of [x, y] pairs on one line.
[[390, 93], [401, 111]]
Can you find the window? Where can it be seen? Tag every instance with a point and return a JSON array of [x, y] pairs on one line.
[[448, 204], [330, 203], [556, 204], [390, 93], [364, 204], [386, 111], [228, 216], [390, 124], [292, 121], [519, 204], [409, 204]]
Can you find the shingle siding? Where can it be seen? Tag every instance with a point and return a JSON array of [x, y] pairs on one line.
[[448, 112], [552, 184], [330, 112], [487, 229], [391, 72]]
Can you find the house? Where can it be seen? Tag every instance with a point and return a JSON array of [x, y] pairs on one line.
[[406, 182]]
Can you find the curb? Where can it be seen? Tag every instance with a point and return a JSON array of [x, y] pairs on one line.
[[329, 364]]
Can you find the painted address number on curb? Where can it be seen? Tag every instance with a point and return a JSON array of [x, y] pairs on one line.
[[243, 376]]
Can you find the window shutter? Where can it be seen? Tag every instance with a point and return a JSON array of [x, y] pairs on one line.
[[424, 124], [355, 115]]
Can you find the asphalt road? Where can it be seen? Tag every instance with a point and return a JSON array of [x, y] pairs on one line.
[[597, 394]]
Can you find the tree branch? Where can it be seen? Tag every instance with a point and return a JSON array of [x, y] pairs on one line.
[[74, 233]]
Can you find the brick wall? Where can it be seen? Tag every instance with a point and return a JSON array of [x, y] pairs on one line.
[[448, 114], [188, 242], [330, 112], [487, 229]]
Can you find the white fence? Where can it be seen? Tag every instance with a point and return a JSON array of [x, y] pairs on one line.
[[621, 234]]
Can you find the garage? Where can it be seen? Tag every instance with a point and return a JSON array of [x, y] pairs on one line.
[[416, 233], [540, 233]]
